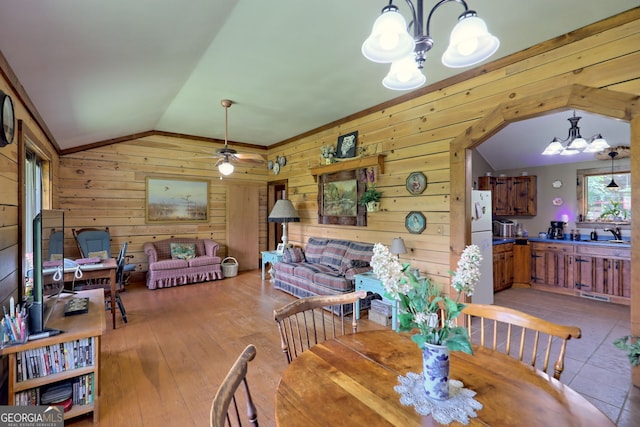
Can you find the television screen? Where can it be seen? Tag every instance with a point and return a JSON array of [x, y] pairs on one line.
[[48, 274]]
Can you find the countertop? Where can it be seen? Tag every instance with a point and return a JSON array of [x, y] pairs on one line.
[[602, 242]]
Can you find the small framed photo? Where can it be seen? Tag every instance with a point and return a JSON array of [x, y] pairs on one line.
[[347, 145], [280, 248], [416, 183], [415, 222]]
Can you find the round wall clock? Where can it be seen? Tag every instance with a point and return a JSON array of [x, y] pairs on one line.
[[7, 120]]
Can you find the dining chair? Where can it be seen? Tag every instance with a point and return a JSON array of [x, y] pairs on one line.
[[308, 321], [96, 242], [221, 409], [495, 326]]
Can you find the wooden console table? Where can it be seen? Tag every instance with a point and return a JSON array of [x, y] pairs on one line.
[[83, 328]]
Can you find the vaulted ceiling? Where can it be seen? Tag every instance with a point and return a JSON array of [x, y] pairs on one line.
[[99, 70]]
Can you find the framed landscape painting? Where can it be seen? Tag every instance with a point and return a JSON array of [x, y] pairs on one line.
[[177, 200], [338, 195]]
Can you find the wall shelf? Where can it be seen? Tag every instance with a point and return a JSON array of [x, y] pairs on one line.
[[351, 164]]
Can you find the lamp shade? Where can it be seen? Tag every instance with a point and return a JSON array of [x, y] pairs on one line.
[[283, 211], [389, 39], [398, 247], [404, 75], [470, 43]]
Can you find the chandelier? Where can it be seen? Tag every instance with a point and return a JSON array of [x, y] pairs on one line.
[[390, 42], [575, 143]]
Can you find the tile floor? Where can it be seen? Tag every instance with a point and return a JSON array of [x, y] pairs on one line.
[[593, 366]]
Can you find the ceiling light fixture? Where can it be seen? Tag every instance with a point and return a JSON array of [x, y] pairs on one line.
[[575, 143], [224, 165], [390, 42], [613, 155]]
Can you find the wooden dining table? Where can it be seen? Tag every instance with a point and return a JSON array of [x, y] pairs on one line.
[[349, 380]]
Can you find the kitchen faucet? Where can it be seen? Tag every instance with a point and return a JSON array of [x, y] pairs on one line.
[[617, 234]]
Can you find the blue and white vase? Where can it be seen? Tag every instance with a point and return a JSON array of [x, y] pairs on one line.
[[435, 369]]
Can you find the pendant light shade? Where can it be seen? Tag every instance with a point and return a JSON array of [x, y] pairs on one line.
[[389, 40], [404, 75], [470, 43], [613, 155], [225, 167]]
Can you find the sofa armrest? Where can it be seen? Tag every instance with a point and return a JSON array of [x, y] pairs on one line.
[[151, 252], [211, 247]]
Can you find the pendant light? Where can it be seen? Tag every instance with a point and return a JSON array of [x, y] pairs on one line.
[[612, 184]]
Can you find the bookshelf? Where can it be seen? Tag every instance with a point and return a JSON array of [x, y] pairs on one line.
[[80, 339]]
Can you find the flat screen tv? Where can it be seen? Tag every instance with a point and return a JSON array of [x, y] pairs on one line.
[[48, 277]]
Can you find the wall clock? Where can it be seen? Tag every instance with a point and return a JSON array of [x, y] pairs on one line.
[[7, 120]]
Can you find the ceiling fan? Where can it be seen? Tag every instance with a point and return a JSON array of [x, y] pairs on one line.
[[228, 156]]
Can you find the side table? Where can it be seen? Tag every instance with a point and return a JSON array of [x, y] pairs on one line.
[[369, 282], [269, 256]]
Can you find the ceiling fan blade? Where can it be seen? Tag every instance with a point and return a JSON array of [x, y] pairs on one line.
[[250, 158]]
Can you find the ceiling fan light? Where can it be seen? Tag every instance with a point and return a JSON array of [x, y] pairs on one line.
[[404, 75], [389, 40], [225, 168], [470, 43]]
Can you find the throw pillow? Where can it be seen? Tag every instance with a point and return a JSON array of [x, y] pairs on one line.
[[99, 254], [185, 251], [357, 263], [293, 255]]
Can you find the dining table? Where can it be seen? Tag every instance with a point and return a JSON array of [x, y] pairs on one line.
[[351, 379]]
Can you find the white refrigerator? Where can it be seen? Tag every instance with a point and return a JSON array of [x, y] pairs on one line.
[[481, 235]]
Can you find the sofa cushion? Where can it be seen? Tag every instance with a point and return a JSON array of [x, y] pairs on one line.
[[286, 267], [204, 260], [307, 270], [169, 264], [334, 252], [333, 281], [314, 249], [357, 255], [183, 250], [293, 255]]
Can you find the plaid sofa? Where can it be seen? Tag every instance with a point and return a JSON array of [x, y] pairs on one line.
[[324, 267], [165, 272]]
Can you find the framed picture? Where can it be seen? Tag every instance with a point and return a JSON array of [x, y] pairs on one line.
[[347, 145], [416, 183], [415, 222], [338, 195], [176, 200], [280, 248]]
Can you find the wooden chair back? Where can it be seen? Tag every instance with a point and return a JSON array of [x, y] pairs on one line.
[[307, 321], [224, 408], [497, 327]]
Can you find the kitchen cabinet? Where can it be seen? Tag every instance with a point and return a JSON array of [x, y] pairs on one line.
[[511, 195], [502, 266], [599, 272], [521, 264]]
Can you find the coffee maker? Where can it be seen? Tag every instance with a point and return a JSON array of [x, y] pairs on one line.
[[556, 231]]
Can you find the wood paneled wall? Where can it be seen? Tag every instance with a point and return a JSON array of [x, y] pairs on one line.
[[106, 187]]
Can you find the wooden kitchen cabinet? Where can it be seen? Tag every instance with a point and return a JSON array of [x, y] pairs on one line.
[[511, 195], [521, 264], [502, 266], [600, 272]]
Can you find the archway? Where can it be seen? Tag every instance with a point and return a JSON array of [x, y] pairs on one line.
[[607, 103]]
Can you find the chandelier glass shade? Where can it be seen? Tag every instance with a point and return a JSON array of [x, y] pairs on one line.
[[390, 42], [225, 167], [574, 143]]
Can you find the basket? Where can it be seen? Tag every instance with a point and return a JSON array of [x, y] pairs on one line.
[[230, 269]]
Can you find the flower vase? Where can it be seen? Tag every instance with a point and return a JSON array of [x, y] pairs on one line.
[[435, 369], [373, 206]]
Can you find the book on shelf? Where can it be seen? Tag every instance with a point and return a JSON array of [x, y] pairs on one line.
[[52, 359], [80, 389]]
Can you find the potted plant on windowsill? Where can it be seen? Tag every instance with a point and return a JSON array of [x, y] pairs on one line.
[[371, 197], [614, 211]]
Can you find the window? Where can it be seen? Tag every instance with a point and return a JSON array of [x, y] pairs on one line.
[[600, 203]]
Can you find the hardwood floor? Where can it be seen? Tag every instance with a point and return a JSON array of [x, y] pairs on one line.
[[164, 366]]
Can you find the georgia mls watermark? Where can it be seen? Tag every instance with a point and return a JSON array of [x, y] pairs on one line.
[[31, 416]]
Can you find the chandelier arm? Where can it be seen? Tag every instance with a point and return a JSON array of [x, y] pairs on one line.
[[433, 9]]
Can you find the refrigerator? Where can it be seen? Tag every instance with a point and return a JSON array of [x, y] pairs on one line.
[[482, 235]]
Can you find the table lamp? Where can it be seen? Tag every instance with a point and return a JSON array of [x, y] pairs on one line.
[[284, 212], [398, 247]]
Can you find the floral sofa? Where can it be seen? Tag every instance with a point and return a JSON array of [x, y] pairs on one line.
[[180, 261], [324, 267]]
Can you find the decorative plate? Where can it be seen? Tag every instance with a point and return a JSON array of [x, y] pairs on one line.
[[556, 184], [558, 201], [416, 183], [415, 222], [282, 160], [276, 168], [270, 164]]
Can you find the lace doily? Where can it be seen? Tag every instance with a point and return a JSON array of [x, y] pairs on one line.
[[460, 406]]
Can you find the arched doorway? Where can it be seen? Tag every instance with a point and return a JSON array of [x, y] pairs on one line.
[[608, 103]]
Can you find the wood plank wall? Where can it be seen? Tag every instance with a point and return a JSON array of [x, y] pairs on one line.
[[106, 187]]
